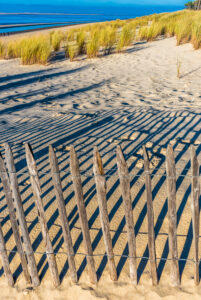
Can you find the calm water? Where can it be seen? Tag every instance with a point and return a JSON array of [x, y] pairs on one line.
[[74, 15]]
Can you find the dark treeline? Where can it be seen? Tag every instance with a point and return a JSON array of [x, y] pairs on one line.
[[196, 5]]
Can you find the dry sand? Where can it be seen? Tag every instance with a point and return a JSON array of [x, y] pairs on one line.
[[129, 99]]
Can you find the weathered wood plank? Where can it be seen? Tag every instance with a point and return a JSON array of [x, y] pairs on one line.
[[102, 203], [41, 214], [126, 195], [13, 220], [150, 216], [21, 217], [77, 183], [62, 212], [5, 261], [195, 194], [171, 190]]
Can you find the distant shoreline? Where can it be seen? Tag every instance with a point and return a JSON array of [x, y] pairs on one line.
[[54, 14], [18, 34]]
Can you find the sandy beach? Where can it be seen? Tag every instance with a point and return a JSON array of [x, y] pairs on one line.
[[131, 99]]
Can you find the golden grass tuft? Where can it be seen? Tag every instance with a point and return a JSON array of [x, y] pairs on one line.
[[35, 50], [71, 51], [126, 38], [184, 25], [108, 39], [93, 44], [2, 50], [196, 36], [183, 31], [71, 35], [56, 38], [81, 43]]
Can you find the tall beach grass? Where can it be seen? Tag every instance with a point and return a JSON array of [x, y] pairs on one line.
[[104, 38], [2, 50], [93, 44], [56, 38], [35, 50]]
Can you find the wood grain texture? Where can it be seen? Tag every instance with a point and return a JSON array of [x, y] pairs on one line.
[[172, 214], [195, 195], [5, 261], [11, 209], [21, 217], [41, 214], [62, 212], [77, 183], [126, 195], [150, 216], [102, 203]]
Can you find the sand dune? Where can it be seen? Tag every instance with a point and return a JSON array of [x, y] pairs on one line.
[[130, 99]]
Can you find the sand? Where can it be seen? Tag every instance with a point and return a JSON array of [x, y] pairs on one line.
[[130, 99]]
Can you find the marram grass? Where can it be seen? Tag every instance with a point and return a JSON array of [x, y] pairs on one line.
[[81, 42], [71, 52], [56, 38], [95, 39], [196, 36], [126, 38], [93, 44], [108, 39], [2, 50], [35, 50]]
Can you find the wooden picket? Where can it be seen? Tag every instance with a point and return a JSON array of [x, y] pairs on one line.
[[21, 217], [75, 171], [41, 213], [13, 219], [126, 195], [13, 198], [150, 216], [171, 184], [195, 210], [102, 202]]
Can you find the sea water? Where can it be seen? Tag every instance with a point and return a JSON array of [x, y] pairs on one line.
[[64, 15]]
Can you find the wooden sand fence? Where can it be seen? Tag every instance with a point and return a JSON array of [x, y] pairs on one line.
[[9, 180]]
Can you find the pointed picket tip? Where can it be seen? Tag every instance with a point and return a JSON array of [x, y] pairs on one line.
[[98, 165], [170, 150], [145, 153]]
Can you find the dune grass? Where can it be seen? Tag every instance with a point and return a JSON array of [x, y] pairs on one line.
[[81, 43], [103, 38], [196, 36], [71, 51], [93, 44], [35, 50], [183, 32], [71, 35], [2, 50], [108, 39], [56, 37], [126, 38]]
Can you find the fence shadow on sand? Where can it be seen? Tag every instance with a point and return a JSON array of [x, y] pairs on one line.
[[126, 126]]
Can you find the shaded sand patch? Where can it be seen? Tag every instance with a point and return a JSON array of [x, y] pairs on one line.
[[129, 99]]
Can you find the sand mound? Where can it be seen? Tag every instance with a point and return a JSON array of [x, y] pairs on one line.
[[129, 99]]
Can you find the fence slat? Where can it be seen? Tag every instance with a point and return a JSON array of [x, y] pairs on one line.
[[62, 212], [126, 195], [195, 191], [75, 172], [13, 220], [150, 216], [41, 213], [21, 217], [102, 203], [5, 261], [171, 190]]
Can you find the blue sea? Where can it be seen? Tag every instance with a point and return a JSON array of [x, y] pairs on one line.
[[33, 17]]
